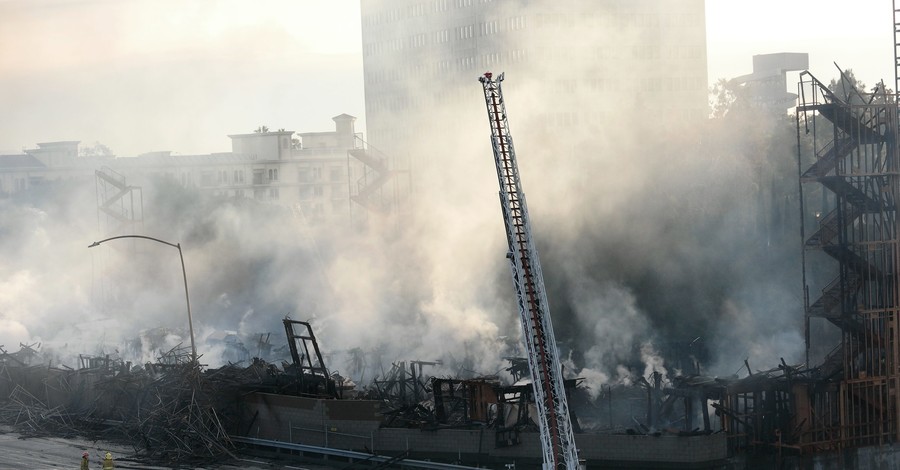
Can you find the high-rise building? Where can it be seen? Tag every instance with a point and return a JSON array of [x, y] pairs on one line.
[[593, 67]]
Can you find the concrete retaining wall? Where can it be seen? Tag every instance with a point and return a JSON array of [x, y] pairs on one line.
[[356, 425]]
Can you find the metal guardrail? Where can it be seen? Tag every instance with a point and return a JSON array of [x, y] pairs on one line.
[[349, 454], [370, 438]]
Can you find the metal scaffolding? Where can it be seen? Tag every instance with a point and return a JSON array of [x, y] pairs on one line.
[[853, 192]]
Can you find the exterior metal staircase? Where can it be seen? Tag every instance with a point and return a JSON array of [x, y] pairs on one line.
[[116, 200], [371, 186]]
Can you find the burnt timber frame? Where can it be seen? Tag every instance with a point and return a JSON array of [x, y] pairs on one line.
[[308, 365]]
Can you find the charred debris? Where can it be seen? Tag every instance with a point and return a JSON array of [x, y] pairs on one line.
[[174, 410]]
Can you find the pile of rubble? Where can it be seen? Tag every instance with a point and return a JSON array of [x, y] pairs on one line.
[[169, 411]]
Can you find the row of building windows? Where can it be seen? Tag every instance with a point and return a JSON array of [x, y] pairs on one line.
[[307, 193], [668, 84], [417, 10], [672, 53], [309, 175], [464, 63], [465, 32], [488, 27], [318, 191], [338, 192], [614, 18], [261, 176], [263, 194], [610, 17], [309, 206], [648, 84], [492, 58], [442, 67], [418, 40], [460, 33], [684, 52], [645, 51], [393, 15], [440, 37]]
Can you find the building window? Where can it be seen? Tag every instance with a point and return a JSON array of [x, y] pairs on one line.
[[273, 174], [206, 178], [238, 176], [318, 191], [336, 173], [465, 32], [515, 23], [308, 175], [259, 177]]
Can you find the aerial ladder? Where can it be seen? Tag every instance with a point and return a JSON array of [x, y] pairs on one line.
[[557, 436]]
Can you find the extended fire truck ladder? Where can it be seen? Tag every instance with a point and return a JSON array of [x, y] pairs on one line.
[[896, 48], [557, 437]]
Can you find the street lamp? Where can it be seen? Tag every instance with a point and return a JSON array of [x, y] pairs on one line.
[[187, 299]]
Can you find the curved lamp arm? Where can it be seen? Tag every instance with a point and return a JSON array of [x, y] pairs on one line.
[[187, 297]]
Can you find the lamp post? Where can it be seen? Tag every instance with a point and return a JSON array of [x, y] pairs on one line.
[[187, 298]]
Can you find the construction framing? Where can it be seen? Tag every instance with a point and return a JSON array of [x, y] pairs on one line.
[[850, 182]]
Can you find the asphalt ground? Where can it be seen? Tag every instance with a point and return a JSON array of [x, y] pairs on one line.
[[18, 453]]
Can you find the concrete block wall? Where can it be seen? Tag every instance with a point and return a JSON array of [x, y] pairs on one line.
[[662, 449], [355, 425], [593, 447], [445, 441], [347, 424]]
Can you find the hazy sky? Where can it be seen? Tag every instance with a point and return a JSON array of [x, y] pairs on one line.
[[855, 34], [145, 75]]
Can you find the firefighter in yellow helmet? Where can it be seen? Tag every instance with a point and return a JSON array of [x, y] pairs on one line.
[[85, 465], [108, 462]]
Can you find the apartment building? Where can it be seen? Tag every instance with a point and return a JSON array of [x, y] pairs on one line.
[[311, 171]]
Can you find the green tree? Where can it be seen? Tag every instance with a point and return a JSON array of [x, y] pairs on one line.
[[726, 96], [96, 150], [847, 87]]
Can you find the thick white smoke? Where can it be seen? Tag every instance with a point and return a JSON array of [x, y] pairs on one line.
[[648, 234]]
